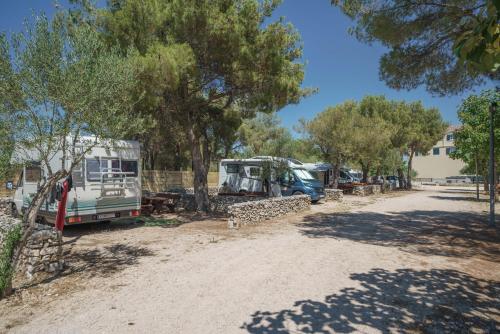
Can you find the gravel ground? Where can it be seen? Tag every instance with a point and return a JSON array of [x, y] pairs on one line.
[[411, 262]]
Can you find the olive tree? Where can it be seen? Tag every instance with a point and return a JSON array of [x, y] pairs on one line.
[[59, 84]]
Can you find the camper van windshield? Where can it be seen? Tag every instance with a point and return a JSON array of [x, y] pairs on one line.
[[303, 174], [33, 174]]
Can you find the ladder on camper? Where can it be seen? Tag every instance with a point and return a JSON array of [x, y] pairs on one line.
[[114, 182]]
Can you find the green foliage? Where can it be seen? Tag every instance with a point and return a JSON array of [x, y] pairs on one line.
[[331, 132], [371, 133], [211, 63], [472, 139], [64, 83], [6, 149], [421, 35], [60, 84], [10, 242], [159, 222], [479, 46], [375, 133]]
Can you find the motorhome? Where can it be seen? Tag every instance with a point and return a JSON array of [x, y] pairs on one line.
[[324, 172], [106, 184], [246, 175]]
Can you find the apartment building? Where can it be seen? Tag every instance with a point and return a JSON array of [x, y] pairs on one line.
[[437, 165]]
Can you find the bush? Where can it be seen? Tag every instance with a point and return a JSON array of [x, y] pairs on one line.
[[6, 271]]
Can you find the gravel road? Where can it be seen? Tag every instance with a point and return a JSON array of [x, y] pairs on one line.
[[414, 262]]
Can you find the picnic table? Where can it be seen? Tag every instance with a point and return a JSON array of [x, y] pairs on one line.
[[159, 202]]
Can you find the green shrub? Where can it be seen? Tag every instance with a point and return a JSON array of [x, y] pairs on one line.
[[10, 241]]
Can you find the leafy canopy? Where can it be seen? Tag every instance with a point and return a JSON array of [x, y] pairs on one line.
[[472, 139], [61, 83], [422, 37], [211, 64]]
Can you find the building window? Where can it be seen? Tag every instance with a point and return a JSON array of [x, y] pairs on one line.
[[450, 136], [435, 151], [450, 150]]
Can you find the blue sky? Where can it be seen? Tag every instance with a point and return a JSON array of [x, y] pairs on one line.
[[337, 64]]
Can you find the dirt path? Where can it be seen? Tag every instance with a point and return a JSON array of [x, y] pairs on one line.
[[418, 262]]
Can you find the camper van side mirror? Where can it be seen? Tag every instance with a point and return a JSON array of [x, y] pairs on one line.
[[9, 185]]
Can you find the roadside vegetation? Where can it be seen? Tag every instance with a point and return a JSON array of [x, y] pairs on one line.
[[7, 270], [472, 140]]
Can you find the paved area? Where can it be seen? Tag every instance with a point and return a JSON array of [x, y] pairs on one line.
[[409, 262]]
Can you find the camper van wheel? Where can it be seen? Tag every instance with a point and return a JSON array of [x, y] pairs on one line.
[[298, 193]]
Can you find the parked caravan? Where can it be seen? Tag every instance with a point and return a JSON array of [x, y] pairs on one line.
[[106, 185], [245, 175], [324, 172]]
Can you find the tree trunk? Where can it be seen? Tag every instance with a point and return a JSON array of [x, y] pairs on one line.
[[365, 169], [408, 176], [477, 180], [336, 176], [200, 182], [401, 177], [29, 223], [177, 161]]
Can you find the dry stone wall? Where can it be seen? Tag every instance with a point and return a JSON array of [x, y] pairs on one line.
[[43, 251], [387, 187], [6, 222], [334, 194], [270, 208], [367, 190], [218, 204], [4, 205]]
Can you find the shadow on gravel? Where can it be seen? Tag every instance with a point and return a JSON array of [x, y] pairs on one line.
[[97, 262], [444, 233], [104, 261], [460, 198], [436, 301]]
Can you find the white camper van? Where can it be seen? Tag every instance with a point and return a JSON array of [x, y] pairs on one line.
[[245, 175], [106, 185], [241, 175]]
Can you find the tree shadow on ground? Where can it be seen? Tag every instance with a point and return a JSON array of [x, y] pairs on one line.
[[436, 301], [444, 233], [459, 191], [95, 262], [104, 261], [460, 198]]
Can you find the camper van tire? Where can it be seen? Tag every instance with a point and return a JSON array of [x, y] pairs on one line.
[[298, 193]]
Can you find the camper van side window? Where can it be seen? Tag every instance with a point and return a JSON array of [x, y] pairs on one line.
[[33, 174], [93, 170], [254, 171], [233, 169], [130, 166]]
